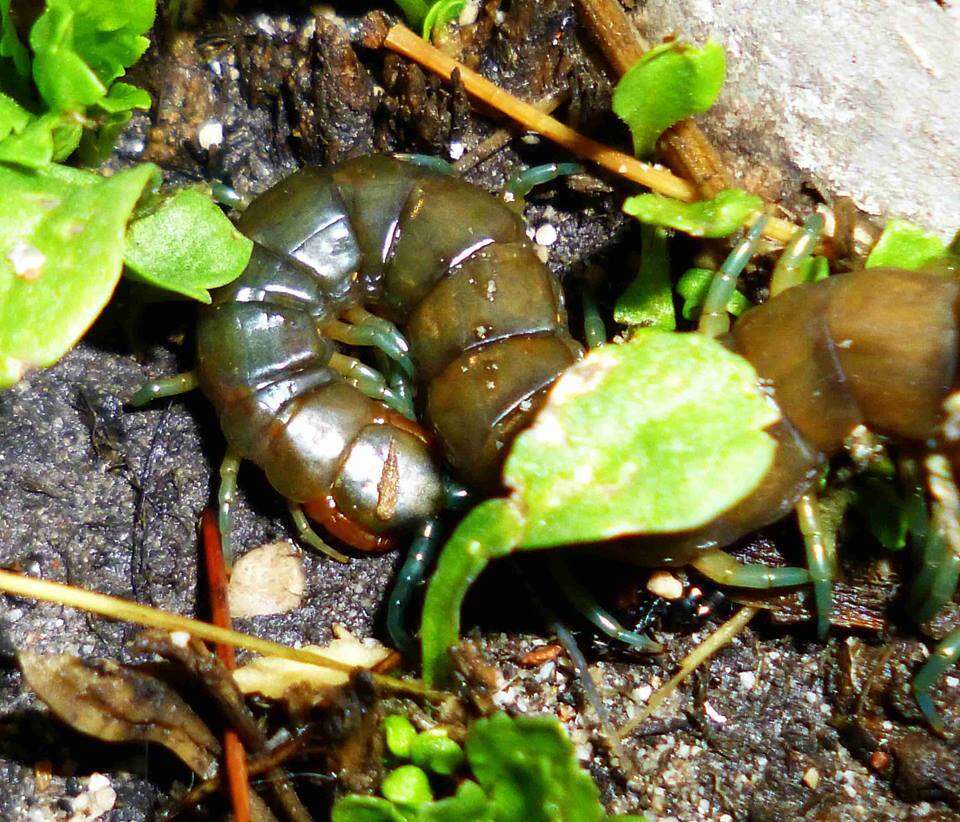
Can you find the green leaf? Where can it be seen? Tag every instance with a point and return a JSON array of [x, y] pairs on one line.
[[441, 13], [13, 116], [61, 254], [648, 300], [693, 287], [10, 45], [528, 768], [669, 83], [414, 10], [469, 803], [187, 246], [905, 245], [359, 808], [718, 217], [34, 146], [492, 529], [633, 437]]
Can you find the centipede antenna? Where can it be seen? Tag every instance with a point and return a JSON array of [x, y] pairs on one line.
[[790, 269], [591, 610], [937, 579], [821, 558], [412, 575], [943, 657], [164, 387], [226, 499], [725, 570], [311, 537], [522, 183], [714, 319]]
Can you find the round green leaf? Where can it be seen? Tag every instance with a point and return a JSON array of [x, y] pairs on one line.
[[61, 254], [657, 435], [187, 246]]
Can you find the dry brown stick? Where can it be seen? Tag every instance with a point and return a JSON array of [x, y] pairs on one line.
[[403, 41], [492, 144], [684, 147]]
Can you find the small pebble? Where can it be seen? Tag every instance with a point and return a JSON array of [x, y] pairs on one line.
[[879, 760], [181, 639], [811, 778], [711, 712], [546, 234], [664, 584], [539, 655], [210, 134], [748, 679]]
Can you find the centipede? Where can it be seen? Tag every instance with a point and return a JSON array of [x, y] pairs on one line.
[[438, 277]]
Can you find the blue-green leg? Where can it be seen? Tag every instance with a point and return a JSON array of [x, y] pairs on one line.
[[594, 329], [427, 160], [521, 184], [821, 559], [944, 657], [792, 268], [591, 610], [311, 537], [227, 499], [936, 581], [413, 574], [164, 387], [374, 336], [725, 570], [714, 319], [369, 382]]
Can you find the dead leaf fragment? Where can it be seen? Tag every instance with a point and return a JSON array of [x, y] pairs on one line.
[[267, 580], [299, 682], [119, 704]]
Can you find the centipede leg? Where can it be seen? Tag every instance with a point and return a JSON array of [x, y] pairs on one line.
[[594, 329], [413, 574], [821, 559], [311, 537], [714, 319], [164, 387], [790, 269], [226, 499], [944, 657], [937, 579], [725, 570], [369, 382], [592, 611], [383, 335], [521, 184], [399, 383]]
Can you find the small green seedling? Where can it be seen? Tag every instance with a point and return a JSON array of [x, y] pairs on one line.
[[717, 217], [669, 83]]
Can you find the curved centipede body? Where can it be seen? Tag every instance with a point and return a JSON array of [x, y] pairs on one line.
[[447, 262], [484, 319]]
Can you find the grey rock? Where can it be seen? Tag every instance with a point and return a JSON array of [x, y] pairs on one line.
[[857, 98]]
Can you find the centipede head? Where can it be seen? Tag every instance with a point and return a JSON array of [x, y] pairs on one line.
[[388, 482]]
